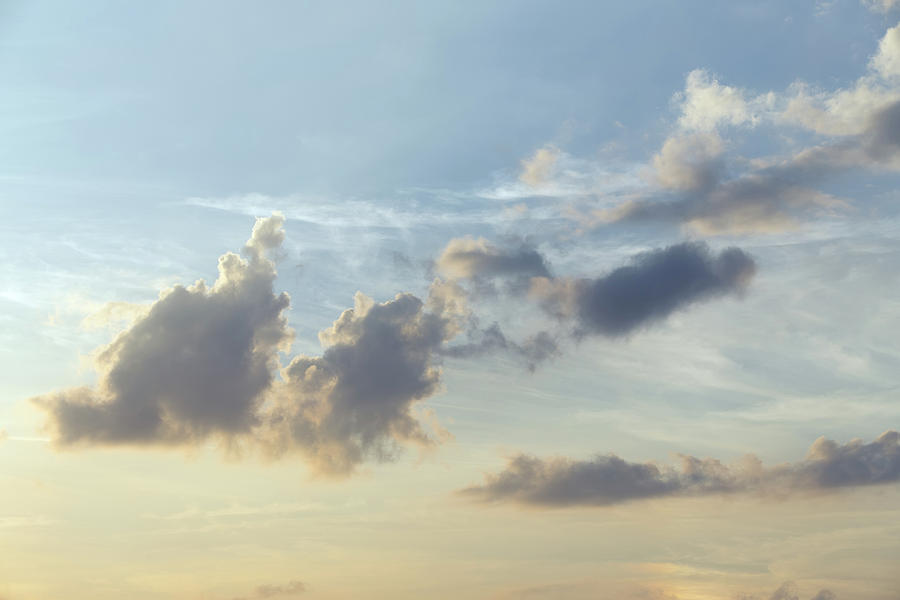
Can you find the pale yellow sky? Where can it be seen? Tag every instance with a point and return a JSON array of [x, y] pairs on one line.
[[436, 300]]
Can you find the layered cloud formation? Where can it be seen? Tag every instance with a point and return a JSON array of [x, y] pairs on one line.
[[202, 363], [697, 181], [608, 480]]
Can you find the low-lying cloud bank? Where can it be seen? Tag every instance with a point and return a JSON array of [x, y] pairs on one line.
[[202, 362], [611, 590], [291, 589], [608, 480]]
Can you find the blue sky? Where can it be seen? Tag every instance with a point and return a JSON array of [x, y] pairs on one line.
[[641, 230]]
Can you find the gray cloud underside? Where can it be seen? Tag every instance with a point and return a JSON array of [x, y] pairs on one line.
[[788, 591], [770, 197], [196, 364], [608, 480], [201, 364], [654, 286]]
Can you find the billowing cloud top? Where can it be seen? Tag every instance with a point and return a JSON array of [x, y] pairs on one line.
[[354, 401], [201, 363], [196, 365]]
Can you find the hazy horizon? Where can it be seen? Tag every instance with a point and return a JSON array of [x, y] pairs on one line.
[[498, 300]]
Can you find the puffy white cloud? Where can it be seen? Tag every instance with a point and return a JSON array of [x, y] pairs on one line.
[[706, 104]]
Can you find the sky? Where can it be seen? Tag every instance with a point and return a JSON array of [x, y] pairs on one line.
[[495, 300]]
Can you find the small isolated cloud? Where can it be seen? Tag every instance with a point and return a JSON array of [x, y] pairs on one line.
[[3, 435], [468, 258], [288, 590], [652, 287], [540, 167], [608, 480]]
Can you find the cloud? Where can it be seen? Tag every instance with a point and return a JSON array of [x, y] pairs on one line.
[[597, 590], [537, 170], [769, 199], [882, 6], [3, 435], [588, 590], [689, 163], [648, 290], [706, 104], [468, 258], [195, 365], [533, 350], [788, 591], [694, 183], [201, 364], [608, 480], [354, 402], [652, 287], [288, 590]]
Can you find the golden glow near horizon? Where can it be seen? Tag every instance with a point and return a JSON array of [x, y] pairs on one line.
[[429, 300]]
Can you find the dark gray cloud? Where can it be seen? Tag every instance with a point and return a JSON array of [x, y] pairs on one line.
[[769, 197], [201, 363], [652, 287], [196, 365], [288, 590], [354, 402], [607, 480], [533, 350]]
